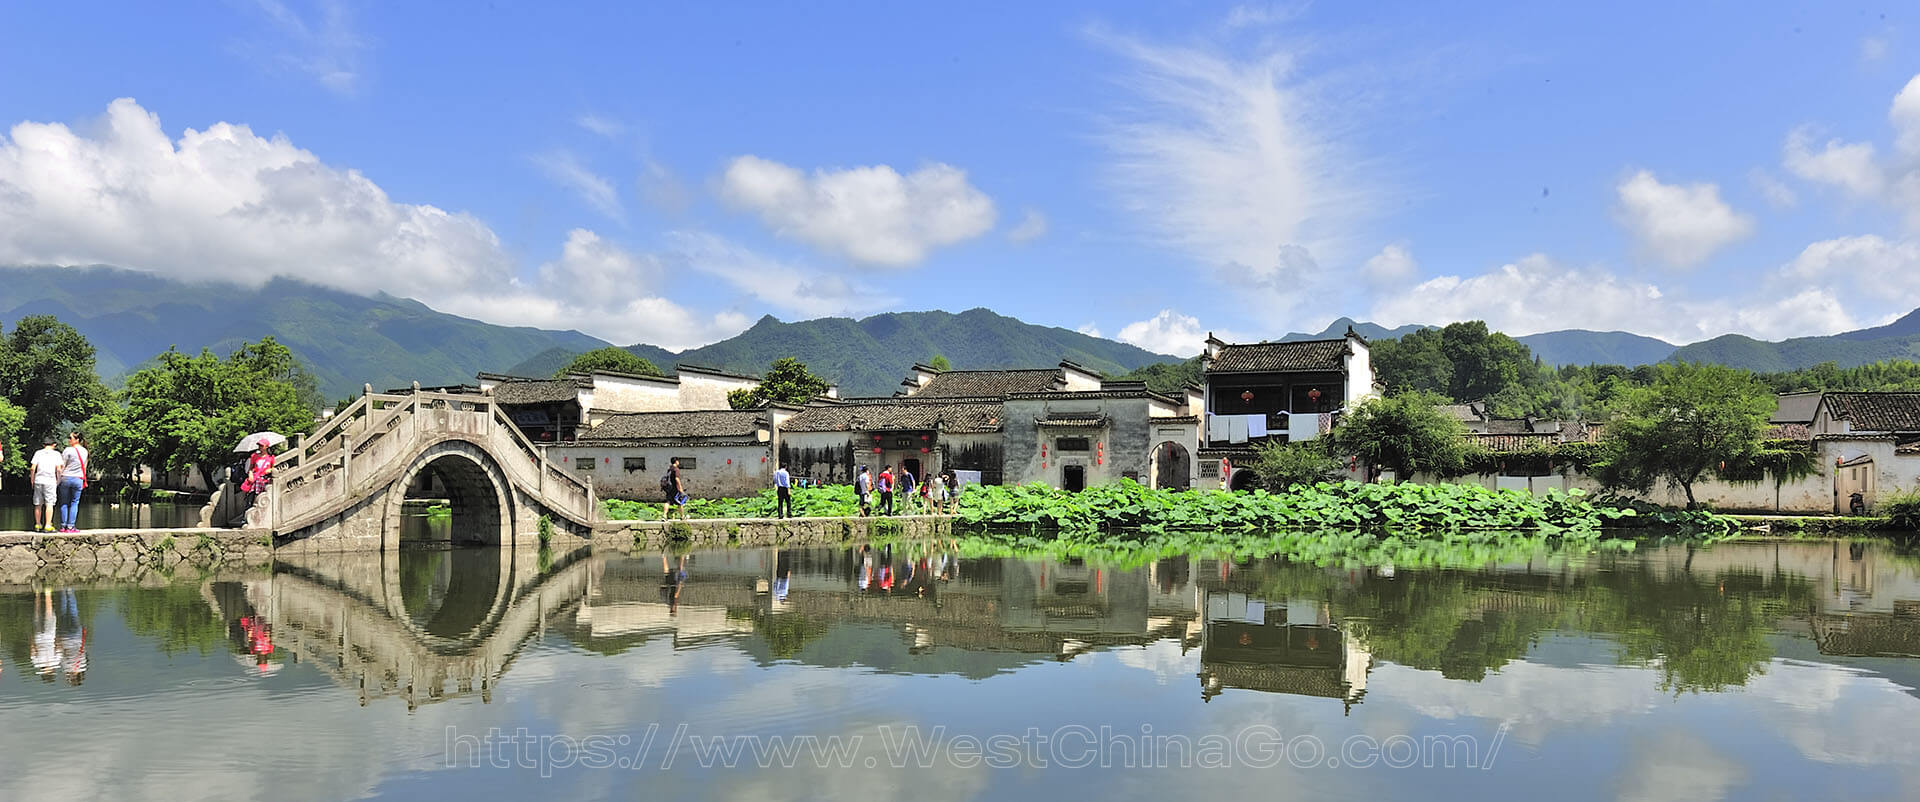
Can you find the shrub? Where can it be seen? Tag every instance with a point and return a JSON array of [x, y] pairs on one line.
[[1903, 509]]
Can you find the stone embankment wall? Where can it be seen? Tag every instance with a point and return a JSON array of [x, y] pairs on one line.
[[127, 553], [723, 532]]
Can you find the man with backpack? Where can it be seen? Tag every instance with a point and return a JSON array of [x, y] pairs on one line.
[[675, 490]]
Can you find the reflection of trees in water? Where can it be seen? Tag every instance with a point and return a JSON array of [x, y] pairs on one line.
[[1703, 632], [175, 616]]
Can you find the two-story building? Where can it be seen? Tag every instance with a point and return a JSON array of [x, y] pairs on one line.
[[1276, 392]]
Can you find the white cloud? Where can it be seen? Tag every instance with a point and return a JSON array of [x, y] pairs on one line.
[[1872, 264], [1032, 227], [601, 126], [870, 215], [229, 205], [1774, 191], [1674, 764], [327, 49], [598, 287], [565, 169], [1088, 328], [1851, 167], [795, 288], [1536, 294], [1681, 225], [1905, 116], [1226, 161], [1166, 333], [1392, 266], [1858, 168], [224, 203]]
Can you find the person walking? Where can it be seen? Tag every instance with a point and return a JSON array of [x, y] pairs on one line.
[[46, 481], [73, 479], [782, 492], [886, 490], [676, 491], [863, 487]]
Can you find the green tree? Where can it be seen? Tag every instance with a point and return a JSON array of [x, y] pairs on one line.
[[1414, 363], [12, 420], [187, 412], [611, 360], [1167, 377], [47, 369], [939, 362], [1284, 465], [1692, 418], [1406, 433], [787, 381]]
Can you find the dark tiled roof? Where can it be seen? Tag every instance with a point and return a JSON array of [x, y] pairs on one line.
[[685, 425], [1795, 407], [1464, 413], [1876, 412], [970, 417], [686, 368], [1509, 426], [1301, 355], [1174, 419], [977, 383], [539, 391], [1909, 448], [1065, 395], [1514, 442], [1090, 420], [1787, 431]]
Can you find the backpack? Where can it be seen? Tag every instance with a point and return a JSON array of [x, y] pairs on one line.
[[666, 483]]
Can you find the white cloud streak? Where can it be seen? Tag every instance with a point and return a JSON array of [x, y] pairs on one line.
[[328, 49], [566, 170], [1032, 226], [869, 215], [1224, 161], [1166, 333], [791, 287]]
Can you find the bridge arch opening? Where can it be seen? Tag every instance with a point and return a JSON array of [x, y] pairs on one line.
[[452, 495], [450, 593]]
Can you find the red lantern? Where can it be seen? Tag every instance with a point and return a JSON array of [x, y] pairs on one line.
[[876, 438], [606, 460], [1314, 395], [1246, 397], [729, 462], [876, 450], [925, 437], [923, 451]]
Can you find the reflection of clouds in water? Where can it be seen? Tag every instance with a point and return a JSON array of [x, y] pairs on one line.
[[941, 781], [1535, 699], [1160, 658], [1676, 765], [1840, 716]]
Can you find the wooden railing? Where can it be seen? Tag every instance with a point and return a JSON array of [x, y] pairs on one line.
[[370, 442]]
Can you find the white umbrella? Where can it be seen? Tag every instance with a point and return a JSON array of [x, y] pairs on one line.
[[253, 441]]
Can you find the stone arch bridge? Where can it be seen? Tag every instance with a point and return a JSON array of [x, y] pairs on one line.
[[341, 488]]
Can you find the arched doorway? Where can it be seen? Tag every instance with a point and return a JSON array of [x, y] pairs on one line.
[[1172, 467], [1243, 479]]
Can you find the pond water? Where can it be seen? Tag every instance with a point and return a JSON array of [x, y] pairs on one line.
[[96, 513], [1741, 670]]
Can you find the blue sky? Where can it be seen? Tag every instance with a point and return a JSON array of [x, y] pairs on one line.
[[1149, 171]]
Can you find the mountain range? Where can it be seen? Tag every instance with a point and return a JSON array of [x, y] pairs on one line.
[[871, 355], [349, 339]]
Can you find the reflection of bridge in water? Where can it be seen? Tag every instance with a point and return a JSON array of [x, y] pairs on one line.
[[419, 625]]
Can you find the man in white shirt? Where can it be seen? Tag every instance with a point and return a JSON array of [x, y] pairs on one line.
[[47, 464]]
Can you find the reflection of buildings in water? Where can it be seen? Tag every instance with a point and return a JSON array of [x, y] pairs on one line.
[[1293, 647], [937, 600], [1869, 634]]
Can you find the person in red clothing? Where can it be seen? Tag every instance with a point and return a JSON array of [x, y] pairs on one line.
[[886, 490]]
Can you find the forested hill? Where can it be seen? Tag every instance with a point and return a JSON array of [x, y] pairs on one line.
[[345, 339], [1569, 347], [871, 355], [1897, 340]]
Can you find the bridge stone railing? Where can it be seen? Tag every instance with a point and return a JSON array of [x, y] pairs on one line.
[[371, 442]]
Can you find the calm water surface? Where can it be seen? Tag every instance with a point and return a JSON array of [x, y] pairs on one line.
[[1741, 670], [94, 513]]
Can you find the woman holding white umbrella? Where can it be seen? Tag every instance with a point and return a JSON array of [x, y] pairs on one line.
[[259, 463]]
